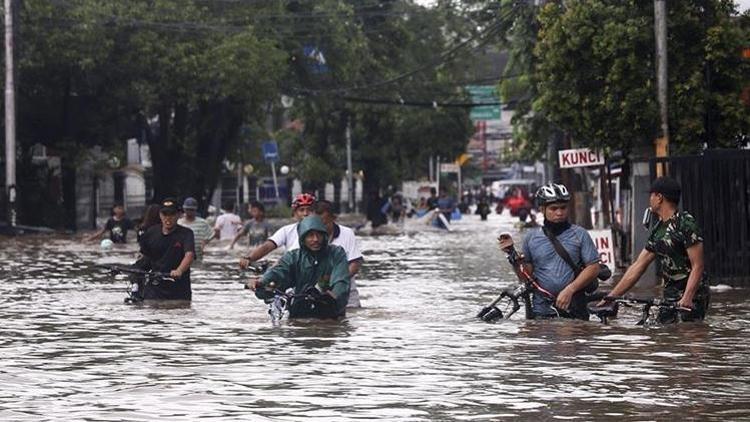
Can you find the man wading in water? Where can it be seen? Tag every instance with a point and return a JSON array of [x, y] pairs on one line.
[[302, 206], [317, 269], [678, 244], [552, 271], [168, 248]]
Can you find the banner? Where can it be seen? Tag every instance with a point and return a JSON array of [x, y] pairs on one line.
[[605, 246]]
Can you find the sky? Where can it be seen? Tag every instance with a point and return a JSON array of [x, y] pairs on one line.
[[743, 4]]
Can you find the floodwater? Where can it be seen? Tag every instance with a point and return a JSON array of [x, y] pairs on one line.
[[71, 350]]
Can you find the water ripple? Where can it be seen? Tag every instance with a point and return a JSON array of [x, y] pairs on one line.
[[73, 351]]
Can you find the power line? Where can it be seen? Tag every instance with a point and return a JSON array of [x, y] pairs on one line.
[[443, 58], [423, 104]]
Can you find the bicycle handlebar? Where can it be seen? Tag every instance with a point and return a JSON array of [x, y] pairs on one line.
[[610, 307], [116, 269]]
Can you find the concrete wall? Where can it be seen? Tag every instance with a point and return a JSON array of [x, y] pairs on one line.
[[641, 183]]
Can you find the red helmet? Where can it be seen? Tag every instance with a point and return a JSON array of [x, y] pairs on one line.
[[303, 200]]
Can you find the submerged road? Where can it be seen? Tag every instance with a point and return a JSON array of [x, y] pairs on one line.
[[71, 350]]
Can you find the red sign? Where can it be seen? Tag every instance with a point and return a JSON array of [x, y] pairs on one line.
[[582, 157]]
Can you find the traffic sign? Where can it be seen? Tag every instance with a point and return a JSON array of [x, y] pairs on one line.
[[484, 94], [449, 168], [270, 151]]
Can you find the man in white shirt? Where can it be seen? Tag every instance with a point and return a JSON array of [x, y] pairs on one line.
[[302, 206], [228, 224], [342, 236]]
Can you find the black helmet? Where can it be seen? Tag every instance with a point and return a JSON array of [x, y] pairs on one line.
[[551, 193]]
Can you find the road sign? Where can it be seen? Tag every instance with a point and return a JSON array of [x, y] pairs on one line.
[[449, 168], [483, 94], [582, 157], [270, 151]]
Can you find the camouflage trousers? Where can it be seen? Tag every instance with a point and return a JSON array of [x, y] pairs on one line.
[[673, 291]]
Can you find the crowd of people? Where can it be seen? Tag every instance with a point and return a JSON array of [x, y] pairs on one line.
[[324, 255], [172, 237], [396, 208]]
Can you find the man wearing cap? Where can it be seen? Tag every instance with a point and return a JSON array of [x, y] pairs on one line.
[[302, 206], [317, 270], [202, 231], [168, 248], [676, 241]]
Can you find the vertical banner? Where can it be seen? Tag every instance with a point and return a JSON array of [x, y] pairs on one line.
[[605, 246]]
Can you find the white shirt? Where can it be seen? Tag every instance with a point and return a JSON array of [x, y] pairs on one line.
[[287, 237], [348, 241], [229, 225]]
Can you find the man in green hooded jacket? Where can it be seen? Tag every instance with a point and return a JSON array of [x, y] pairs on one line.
[[315, 265]]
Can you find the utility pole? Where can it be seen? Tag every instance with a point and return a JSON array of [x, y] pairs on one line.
[[10, 116], [349, 171], [437, 173], [239, 193], [660, 32]]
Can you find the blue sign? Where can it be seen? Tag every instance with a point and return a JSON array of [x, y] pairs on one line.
[[316, 60], [267, 193], [270, 151]]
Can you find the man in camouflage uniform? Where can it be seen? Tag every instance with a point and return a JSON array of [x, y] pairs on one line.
[[677, 242]]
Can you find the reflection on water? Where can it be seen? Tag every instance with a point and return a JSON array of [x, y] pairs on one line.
[[73, 351]]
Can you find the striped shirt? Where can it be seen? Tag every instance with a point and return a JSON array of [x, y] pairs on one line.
[[202, 231]]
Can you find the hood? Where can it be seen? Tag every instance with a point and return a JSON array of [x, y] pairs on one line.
[[308, 224]]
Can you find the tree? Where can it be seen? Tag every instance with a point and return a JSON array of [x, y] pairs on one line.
[[185, 76], [175, 71], [596, 78], [395, 43]]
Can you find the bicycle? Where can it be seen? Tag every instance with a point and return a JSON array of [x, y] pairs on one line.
[[310, 303], [611, 307], [136, 284], [278, 301], [511, 298]]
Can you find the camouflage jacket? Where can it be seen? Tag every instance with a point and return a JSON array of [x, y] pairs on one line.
[[669, 240]]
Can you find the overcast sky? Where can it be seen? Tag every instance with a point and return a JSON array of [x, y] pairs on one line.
[[743, 4]]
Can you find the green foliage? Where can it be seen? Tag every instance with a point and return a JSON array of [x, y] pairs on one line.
[[186, 76], [591, 74], [595, 72]]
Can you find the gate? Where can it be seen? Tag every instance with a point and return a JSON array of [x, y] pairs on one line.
[[716, 191]]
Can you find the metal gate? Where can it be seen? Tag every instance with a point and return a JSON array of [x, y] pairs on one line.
[[716, 191]]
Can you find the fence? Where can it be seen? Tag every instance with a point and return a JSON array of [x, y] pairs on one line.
[[716, 191]]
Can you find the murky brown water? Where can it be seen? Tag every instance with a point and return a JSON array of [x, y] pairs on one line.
[[71, 350]]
